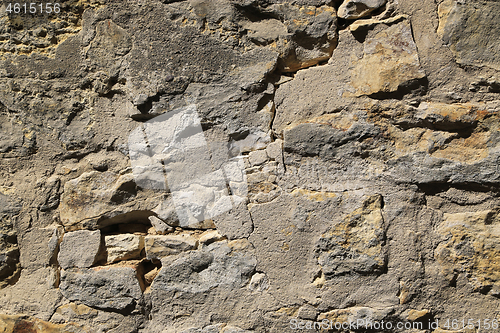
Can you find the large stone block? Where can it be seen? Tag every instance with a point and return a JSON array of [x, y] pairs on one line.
[[103, 288], [79, 248], [467, 28]]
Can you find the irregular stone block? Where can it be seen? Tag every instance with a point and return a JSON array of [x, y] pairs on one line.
[[160, 227], [355, 246], [388, 60], [79, 248], [158, 247], [257, 157], [467, 29], [470, 241], [209, 237], [221, 264], [123, 247], [103, 288], [354, 9], [98, 199]]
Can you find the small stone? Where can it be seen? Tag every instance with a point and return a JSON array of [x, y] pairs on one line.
[[307, 312], [209, 237], [258, 282], [257, 157], [150, 276], [140, 99], [123, 247], [275, 149], [79, 249], [162, 246], [415, 314], [161, 227], [354, 9]]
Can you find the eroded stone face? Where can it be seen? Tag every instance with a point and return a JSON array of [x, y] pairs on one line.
[[222, 264], [123, 247], [102, 288], [158, 247], [467, 29], [99, 196], [367, 185], [388, 60], [79, 249], [471, 246], [356, 245], [354, 9]]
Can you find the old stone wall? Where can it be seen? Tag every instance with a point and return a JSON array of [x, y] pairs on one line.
[[250, 166]]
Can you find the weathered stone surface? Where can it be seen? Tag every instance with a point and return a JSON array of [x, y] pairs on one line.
[[31, 284], [303, 240], [104, 288], [472, 242], [356, 245], [354, 9], [158, 247], [161, 227], [467, 27], [95, 197], [236, 223], [26, 324], [221, 264], [9, 249], [79, 249], [209, 237], [388, 60], [43, 242], [354, 314], [123, 247]]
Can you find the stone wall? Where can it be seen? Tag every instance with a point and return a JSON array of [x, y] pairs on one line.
[[250, 166]]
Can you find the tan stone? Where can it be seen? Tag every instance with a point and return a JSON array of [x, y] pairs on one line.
[[416, 314], [388, 60], [123, 247], [209, 236], [20, 324], [162, 246], [96, 197], [472, 246], [356, 244], [359, 25]]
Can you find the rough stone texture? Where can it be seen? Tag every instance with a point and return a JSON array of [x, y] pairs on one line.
[[466, 28], [123, 247], [161, 227], [104, 288], [112, 196], [354, 9], [158, 247], [356, 244], [79, 249], [25, 324], [364, 174]]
